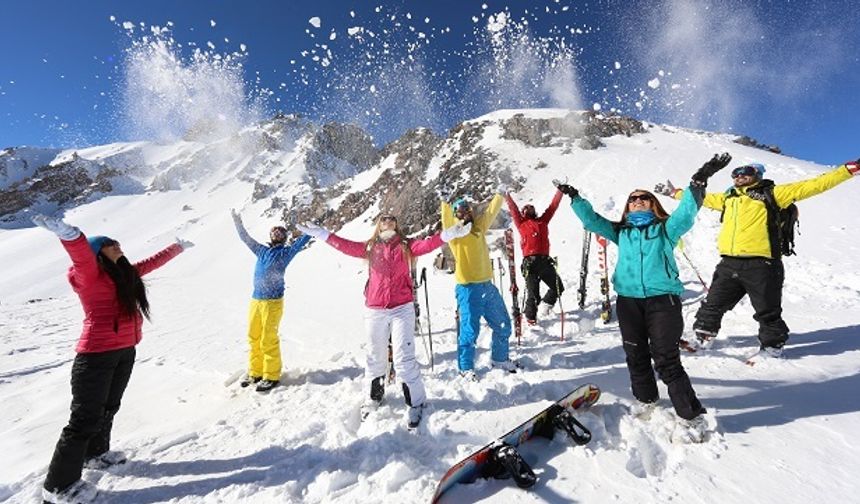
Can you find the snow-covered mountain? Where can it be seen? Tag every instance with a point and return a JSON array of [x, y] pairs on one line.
[[780, 432]]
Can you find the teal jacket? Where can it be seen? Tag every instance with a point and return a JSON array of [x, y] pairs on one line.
[[646, 259]]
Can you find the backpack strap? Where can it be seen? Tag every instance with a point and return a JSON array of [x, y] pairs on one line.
[[774, 230], [763, 191]]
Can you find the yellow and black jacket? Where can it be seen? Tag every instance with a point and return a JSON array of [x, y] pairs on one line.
[[744, 229]]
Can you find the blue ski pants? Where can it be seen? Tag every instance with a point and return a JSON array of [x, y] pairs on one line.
[[476, 300]]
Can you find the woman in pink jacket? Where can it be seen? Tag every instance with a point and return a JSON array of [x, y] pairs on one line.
[[388, 297], [114, 301]]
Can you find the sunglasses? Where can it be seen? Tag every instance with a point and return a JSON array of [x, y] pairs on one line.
[[744, 171], [639, 197], [388, 218], [110, 243]]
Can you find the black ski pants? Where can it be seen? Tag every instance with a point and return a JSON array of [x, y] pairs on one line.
[[537, 269], [651, 329], [759, 278], [98, 383]]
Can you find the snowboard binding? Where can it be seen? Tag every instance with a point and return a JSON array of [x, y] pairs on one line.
[[562, 419], [506, 462]]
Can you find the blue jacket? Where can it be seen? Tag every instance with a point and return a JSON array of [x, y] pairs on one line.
[[271, 264], [646, 260]]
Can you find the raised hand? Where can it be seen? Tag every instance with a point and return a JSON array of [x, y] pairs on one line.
[[236, 217], [502, 189], [311, 229], [667, 189], [444, 193], [456, 231], [717, 163], [853, 167], [185, 244], [57, 226], [568, 189]]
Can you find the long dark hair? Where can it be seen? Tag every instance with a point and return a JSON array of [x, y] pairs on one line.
[[130, 290]]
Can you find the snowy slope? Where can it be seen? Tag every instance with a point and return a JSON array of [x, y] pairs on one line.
[[781, 432]]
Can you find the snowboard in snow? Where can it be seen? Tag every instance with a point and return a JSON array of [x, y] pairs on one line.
[[500, 459]]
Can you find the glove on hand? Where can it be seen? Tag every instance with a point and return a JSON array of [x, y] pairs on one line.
[[458, 230], [568, 189], [667, 189], [310, 229], [444, 193], [56, 225], [502, 189], [185, 244], [853, 166], [717, 163]]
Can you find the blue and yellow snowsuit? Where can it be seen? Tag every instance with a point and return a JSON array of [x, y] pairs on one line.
[[476, 295], [267, 304]]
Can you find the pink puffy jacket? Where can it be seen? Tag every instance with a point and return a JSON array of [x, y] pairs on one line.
[[390, 282], [105, 327]]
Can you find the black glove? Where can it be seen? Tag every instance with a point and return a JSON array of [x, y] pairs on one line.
[[568, 189], [717, 163]]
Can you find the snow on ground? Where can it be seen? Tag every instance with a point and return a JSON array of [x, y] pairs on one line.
[[780, 431]]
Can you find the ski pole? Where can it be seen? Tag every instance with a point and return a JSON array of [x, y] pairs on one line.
[[690, 262], [427, 314], [558, 292]]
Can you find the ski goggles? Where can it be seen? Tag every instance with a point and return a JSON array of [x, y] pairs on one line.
[[748, 171], [638, 197], [461, 206]]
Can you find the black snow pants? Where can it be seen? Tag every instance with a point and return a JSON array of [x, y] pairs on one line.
[[537, 269], [759, 278], [98, 383], [651, 329]]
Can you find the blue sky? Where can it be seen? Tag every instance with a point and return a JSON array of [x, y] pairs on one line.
[[782, 72]]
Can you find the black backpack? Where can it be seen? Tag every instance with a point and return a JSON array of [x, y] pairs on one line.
[[781, 222]]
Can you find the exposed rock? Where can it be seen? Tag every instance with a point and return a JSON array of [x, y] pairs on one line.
[[590, 142], [751, 142], [560, 132]]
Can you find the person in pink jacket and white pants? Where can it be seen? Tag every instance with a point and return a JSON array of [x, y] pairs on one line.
[[113, 298], [390, 311]]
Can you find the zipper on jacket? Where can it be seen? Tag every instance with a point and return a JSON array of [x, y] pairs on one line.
[[642, 267]]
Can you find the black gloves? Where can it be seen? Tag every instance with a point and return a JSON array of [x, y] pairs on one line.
[[568, 189], [717, 163]]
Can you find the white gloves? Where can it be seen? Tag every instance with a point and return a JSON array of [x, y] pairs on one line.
[[185, 244], [236, 217], [666, 189], [318, 232], [503, 189], [56, 225], [456, 231]]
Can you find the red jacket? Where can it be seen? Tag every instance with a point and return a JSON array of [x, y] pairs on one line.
[[105, 328], [534, 233], [390, 282]]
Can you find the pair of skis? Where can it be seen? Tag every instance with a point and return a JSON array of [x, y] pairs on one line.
[[605, 305]]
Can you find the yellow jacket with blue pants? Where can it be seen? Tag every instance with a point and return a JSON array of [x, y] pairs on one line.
[[267, 303], [477, 297]]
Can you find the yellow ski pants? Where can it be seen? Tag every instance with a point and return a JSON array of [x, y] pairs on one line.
[[264, 356]]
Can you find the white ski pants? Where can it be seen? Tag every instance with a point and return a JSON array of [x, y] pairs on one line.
[[399, 322]]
